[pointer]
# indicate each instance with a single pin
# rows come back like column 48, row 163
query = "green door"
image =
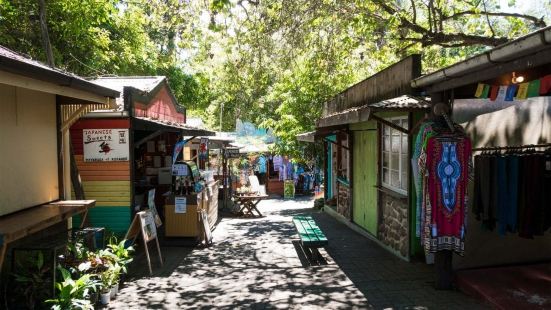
column 365, row 176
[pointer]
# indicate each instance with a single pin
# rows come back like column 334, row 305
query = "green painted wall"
column 365, row 158
column 415, row 242
column 115, row 219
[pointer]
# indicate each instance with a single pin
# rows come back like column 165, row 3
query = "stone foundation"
column 393, row 226
column 343, row 200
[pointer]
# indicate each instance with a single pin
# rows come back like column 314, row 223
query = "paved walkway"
column 254, row 263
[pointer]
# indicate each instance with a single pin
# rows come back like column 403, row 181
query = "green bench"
column 310, row 234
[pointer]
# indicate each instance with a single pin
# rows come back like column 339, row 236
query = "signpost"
column 144, row 224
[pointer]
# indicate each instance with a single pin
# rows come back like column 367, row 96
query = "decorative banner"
column 522, row 91
column 545, row 84
column 105, row 145
column 510, row 93
column 501, row 93
column 534, row 89
column 204, row 148
column 178, row 147
column 479, row 90
column 493, row 92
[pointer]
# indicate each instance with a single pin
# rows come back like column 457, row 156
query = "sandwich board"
column 144, row 224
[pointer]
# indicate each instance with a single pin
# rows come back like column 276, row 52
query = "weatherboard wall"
column 106, row 182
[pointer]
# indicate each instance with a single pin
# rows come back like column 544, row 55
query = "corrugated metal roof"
column 143, row 83
column 362, row 113
column 402, row 102
column 194, row 131
column 23, row 65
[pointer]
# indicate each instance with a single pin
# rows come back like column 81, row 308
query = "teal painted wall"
column 115, row 219
column 364, row 176
column 329, row 176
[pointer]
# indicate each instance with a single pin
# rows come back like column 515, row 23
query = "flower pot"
column 105, row 298
column 114, row 290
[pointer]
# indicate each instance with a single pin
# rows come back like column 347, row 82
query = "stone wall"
column 343, row 200
column 393, row 226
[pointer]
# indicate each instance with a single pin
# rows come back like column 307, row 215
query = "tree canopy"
column 271, row 62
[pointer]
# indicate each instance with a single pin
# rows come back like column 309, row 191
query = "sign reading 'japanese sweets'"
column 105, row 145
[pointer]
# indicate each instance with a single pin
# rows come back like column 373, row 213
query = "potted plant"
column 106, row 278
column 122, row 253
column 115, row 278
column 73, row 294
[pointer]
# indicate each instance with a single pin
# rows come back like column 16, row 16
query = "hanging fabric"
column 444, row 156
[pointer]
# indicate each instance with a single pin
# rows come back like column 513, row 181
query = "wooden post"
column 444, row 271
column 2, row 255
column 147, row 253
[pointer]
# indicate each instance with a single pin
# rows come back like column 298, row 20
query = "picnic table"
column 247, row 203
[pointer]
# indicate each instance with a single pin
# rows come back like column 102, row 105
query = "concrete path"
column 256, row 263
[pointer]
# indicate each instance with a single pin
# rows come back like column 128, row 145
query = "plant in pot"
column 33, row 280
column 115, row 274
column 73, row 294
column 106, row 279
column 122, row 252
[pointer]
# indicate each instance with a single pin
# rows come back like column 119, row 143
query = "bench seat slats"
column 309, row 232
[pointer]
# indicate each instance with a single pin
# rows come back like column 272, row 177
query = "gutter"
column 517, row 48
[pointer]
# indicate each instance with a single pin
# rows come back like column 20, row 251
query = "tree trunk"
column 45, row 37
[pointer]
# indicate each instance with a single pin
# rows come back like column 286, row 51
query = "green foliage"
column 73, row 294
column 33, row 280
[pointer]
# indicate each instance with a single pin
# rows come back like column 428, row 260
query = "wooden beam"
column 148, row 137
column 389, row 124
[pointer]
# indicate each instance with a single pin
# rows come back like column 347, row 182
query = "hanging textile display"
column 535, row 88
column 512, row 193
column 444, row 157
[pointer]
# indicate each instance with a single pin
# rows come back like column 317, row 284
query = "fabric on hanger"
column 447, row 181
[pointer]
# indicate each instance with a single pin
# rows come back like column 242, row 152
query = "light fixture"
column 517, row 79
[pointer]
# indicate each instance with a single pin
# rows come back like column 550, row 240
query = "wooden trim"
column 390, row 124
column 50, row 88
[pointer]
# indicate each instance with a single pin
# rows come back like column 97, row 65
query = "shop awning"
column 307, row 136
column 149, row 124
column 364, row 113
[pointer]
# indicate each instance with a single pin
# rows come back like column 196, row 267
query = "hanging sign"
column 105, row 145
column 232, row 153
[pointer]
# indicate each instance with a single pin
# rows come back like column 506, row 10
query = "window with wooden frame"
column 394, row 156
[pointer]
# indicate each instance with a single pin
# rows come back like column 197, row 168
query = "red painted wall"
column 162, row 107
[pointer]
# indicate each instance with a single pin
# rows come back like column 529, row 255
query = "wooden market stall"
column 38, row 105
column 125, row 156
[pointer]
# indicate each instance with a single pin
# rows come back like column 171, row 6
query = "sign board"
column 148, row 224
column 232, row 153
column 180, row 204
column 105, row 145
column 180, row 170
column 151, row 204
column 144, row 224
